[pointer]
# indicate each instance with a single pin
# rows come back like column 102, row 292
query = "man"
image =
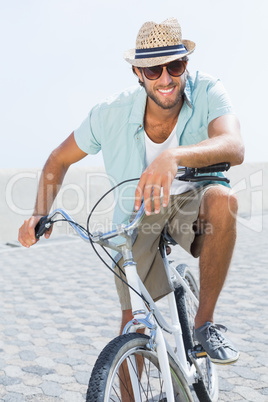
column 171, row 120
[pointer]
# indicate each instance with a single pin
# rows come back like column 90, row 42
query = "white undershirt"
column 154, row 149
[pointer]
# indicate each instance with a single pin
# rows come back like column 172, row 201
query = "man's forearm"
column 49, row 185
column 209, row 152
column 224, row 144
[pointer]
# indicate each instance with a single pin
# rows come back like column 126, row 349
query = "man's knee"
column 219, row 204
column 233, row 204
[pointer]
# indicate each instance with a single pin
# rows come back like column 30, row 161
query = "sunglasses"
column 175, row 69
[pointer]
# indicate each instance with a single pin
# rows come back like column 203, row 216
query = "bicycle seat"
column 166, row 238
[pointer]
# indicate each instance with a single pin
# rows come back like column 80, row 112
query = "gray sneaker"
column 219, row 349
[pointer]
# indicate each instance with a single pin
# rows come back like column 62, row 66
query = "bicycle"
column 139, row 367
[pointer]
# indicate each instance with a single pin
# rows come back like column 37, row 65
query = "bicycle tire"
column 206, row 388
column 105, row 378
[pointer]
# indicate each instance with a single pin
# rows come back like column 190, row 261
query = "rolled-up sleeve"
column 86, row 135
column 219, row 102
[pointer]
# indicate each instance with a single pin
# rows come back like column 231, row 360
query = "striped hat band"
column 160, row 51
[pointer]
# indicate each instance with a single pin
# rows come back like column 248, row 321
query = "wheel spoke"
column 124, row 385
column 149, row 389
column 146, row 389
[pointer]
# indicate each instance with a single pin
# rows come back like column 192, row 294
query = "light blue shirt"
column 115, row 126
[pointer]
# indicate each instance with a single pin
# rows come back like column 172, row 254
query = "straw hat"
column 159, row 44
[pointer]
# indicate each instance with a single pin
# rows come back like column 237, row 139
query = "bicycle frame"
column 155, row 322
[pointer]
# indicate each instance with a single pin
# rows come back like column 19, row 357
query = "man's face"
column 166, row 91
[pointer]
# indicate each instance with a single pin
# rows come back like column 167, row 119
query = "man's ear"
column 138, row 73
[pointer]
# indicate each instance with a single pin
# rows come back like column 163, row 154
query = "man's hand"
column 27, row 231
column 160, row 173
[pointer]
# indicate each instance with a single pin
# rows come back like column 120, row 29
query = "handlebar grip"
column 219, row 167
column 42, row 226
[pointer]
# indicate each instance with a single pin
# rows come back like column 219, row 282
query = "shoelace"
column 215, row 337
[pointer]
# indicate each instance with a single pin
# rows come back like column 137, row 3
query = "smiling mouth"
column 166, row 91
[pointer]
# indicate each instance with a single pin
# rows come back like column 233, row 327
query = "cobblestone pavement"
column 59, row 308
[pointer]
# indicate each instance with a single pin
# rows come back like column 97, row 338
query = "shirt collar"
column 188, row 92
column 138, row 109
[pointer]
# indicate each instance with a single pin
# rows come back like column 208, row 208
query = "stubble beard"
column 166, row 104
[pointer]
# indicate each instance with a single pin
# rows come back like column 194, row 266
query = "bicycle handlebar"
column 191, row 174
column 46, row 221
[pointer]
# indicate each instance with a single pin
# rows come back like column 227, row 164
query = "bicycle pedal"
column 198, row 352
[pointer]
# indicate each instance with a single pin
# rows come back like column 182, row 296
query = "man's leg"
column 150, row 266
column 125, row 384
column 218, row 220
column 218, row 217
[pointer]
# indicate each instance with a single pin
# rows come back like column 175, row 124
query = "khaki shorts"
column 179, row 216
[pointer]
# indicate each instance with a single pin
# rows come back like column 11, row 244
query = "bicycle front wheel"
column 110, row 380
column 206, row 388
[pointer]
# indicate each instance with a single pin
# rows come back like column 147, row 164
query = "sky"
column 61, row 57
